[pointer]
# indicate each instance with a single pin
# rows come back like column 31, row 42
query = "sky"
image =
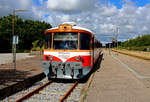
column 131, row 17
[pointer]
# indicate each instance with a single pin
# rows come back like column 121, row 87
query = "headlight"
column 47, row 58
column 51, row 57
column 77, row 58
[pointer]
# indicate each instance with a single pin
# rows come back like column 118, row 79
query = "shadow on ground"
column 9, row 75
column 28, row 72
column 24, row 69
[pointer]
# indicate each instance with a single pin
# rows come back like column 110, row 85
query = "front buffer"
column 65, row 70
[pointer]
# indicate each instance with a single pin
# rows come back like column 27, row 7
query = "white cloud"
column 92, row 14
column 145, row 28
column 104, row 20
column 70, row 5
column 109, row 11
column 38, row 12
column 62, row 4
column 25, row 3
column 130, row 27
column 65, row 18
column 7, row 6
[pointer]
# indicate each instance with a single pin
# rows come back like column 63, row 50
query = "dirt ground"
column 116, row 81
column 7, row 57
column 24, row 69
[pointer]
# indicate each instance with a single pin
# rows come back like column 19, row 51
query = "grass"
column 135, row 48
column 138, row 54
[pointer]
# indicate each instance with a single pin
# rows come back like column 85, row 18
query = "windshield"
column 84, row 41
column 65, row 40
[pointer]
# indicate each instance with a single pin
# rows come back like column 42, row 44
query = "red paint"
column 54, row 58
column 85, row 62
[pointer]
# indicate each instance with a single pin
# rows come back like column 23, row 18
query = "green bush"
column 35, row 46
column 142, row 48
column 26, row 51
column 36, row 49
column 140, row 43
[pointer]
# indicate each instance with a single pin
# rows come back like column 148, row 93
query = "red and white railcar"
column 71, row 51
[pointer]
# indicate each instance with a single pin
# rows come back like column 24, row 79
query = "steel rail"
column 68, row 92
column 33, row 92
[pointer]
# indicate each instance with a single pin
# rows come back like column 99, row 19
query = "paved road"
column 118, row 80
column 7, row 57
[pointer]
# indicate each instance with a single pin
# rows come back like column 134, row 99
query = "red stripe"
column 85, row 62
column 54, row 58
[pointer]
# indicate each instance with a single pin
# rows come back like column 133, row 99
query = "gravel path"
column 55, row 91
column 23, row 92
column 75, row 96
column 51, row 93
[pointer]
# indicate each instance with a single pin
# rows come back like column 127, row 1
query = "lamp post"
column 14, row 37
column 118, row 28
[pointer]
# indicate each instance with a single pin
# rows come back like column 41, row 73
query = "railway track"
column 49, row 92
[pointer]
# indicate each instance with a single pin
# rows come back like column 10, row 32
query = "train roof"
column 74, row 27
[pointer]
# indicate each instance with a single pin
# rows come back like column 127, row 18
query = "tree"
column 139, row 43
column 27, row 30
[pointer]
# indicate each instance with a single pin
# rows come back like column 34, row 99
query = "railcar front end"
column 68, row 53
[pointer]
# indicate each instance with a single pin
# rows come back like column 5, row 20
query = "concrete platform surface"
column 114, row 83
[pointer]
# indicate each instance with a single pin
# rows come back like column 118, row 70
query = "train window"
column 84, row 41
column 48, row 40
column 65, row 40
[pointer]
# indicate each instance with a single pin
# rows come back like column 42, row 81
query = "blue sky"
column 117, row 3
column 102, row 17
column 141, row 2
column 37, row 2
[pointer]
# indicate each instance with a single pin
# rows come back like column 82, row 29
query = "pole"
column 15, row 57
column 117, row 37
column 13, row 34
column 109, row 49
column 13, row 45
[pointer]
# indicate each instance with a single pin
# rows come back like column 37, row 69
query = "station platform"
column 27, row 72
column 112, row 82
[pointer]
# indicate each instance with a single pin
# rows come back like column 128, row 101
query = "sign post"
column 15, row 38
column 15, row 41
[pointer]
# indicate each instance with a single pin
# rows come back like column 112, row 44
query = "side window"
column 48, row 40
column 84, row 41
